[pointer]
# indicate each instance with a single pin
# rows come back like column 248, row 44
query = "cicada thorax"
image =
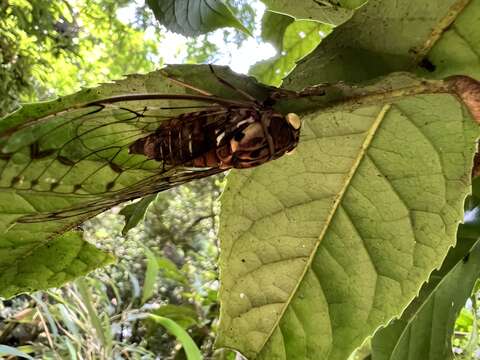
column 232, row 138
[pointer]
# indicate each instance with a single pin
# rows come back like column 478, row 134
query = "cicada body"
column 232, row 138
column 91, row 157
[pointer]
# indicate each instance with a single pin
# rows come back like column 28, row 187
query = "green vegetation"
column 351, row 248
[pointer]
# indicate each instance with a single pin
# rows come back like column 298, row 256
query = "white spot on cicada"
column 246, row 121
column 190, row 145
column 244, row 140
column 294, row 120
column 220, row 137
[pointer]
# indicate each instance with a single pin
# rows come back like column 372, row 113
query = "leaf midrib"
column 361, row 154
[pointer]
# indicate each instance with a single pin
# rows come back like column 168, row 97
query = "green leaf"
column 69, row 321
column 183, row 315
column 150, row 275
column 194, row 17
column 134, row 213
column 426, row 326
column 369, row 45
column 8, row 350
column 300, row 38
column 96, row 323
column 327, row 12
column 457, row 51
column 274, row 26
column 464, row 321
column 191, row 349
column 47, row 264
column 321, row 248
column 170, row 270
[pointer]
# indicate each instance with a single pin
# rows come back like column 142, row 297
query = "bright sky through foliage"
column 174, row 46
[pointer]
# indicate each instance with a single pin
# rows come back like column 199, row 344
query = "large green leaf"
column 425, row 329
column 426, row 326
column 342, row 234
column 67, row 143
column 194, row 17
column 382, row 37
column 327, row 12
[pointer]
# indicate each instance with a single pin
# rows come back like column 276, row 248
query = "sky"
column 240, row 59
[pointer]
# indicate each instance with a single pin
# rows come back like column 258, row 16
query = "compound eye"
column 294, row 121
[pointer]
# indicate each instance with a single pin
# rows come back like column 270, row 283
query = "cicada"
column 122, row 147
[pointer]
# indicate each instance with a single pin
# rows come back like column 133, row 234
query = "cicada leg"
column 188, row 86
column 240, row 91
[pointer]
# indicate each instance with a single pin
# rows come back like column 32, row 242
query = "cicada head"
column 266, row 138
column 285, row 133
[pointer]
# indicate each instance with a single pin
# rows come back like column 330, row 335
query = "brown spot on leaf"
column 468, row 90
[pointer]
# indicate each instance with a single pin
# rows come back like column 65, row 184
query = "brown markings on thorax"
column 196, row 138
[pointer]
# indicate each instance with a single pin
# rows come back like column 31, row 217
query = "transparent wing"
column 77, row 162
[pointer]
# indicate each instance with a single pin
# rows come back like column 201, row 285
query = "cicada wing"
column 78, row 162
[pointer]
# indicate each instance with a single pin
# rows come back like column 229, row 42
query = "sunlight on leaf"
column 300, row 38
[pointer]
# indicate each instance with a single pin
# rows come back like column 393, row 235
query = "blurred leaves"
column 134, row 213
column 194, row 17
column 55, row 46
column 151, row 274
column 11, row 351
column 26, row 29
column 184, row 315
column 191, row 349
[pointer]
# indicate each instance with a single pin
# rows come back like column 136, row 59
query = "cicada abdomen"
column 225, row 138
